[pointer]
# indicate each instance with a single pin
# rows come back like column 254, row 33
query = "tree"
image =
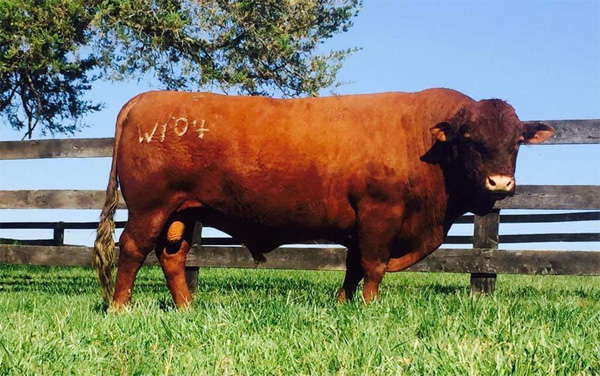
column 51, row 51
column 42, row 76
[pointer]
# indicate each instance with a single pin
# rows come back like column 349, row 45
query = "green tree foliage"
column 42, row 75
column 51, row 51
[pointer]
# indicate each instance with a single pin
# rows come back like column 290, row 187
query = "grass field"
column 264, row 322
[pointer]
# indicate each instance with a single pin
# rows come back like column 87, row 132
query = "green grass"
column 286, row 322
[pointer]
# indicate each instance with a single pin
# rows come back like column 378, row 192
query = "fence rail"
column 320, row 258
column 466, row 219
column 554, row 197
column 484, row 261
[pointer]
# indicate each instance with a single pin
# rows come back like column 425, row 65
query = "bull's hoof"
column 184, row 306
column 119, row 307
column 369, row 298
column 342, row 296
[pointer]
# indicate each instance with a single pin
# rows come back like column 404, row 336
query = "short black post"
column 59, row 234
column 485, row 236
column 483, row 282
column 191, row 272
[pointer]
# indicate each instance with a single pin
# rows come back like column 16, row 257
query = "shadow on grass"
column 446, row 289
column 528, row 291
column 66, row 285
column 82, row 282
column 77, row 285
column 164, row 304
column 100, row 308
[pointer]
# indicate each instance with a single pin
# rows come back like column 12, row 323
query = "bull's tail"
column 105, row 256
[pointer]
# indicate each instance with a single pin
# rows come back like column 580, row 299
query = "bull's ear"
column 536, row 133
column 443, row 131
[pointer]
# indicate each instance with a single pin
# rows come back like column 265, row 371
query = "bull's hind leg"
column 136, row 242
column 172, row 252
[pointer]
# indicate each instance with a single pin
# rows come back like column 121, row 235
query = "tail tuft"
column 105, row 256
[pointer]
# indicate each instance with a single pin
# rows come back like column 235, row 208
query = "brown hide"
column 377, row 173
column 274, row 171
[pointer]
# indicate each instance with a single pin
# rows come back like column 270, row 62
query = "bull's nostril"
column 500, row 183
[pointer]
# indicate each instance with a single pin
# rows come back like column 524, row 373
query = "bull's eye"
column 477, row 146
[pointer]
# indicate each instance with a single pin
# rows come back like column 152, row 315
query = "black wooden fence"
column 484, row 261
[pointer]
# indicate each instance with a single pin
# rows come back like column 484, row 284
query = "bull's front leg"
column 429, row 239
column 354, row 274
column 379, row 222
column 375, row 255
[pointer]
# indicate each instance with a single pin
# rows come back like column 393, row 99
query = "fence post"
column 191, row 272
column 58, row 237
column 485, row 235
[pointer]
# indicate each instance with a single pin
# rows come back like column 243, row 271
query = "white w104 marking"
column 180, row 127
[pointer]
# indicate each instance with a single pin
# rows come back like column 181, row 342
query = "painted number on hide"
column 180, row 127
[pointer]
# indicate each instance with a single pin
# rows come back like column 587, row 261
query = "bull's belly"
column 282, row 209
column 266, row 232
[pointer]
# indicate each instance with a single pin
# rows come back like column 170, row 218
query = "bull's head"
column 485, row 137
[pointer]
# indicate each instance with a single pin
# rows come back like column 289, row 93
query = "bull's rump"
column 293, row 162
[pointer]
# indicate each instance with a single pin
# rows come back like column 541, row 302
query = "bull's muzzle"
column 500, row 184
